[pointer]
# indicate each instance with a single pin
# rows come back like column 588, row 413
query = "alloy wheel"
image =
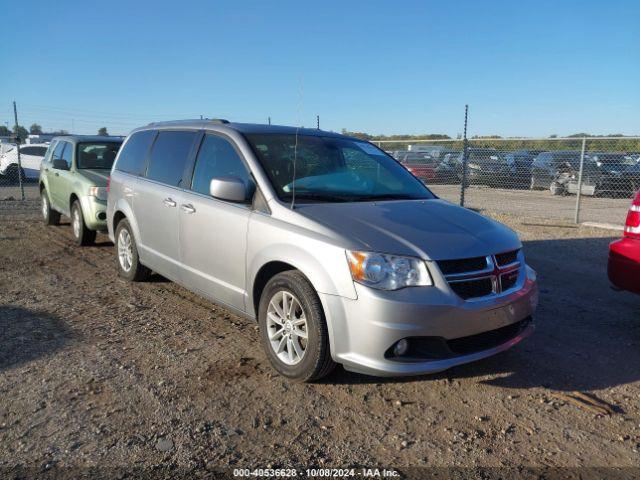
column 287, row 327
column 76, row 222
column 45, row 206
column 125, row 250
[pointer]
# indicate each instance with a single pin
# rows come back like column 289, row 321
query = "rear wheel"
column 81, row 234
column 293, row 328
column 129, row 266
column 50, row 216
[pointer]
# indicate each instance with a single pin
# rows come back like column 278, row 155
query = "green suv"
column 73, row 182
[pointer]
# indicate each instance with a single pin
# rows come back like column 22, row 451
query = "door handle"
column 169, row 202
column 57, row 174
column 188, row 209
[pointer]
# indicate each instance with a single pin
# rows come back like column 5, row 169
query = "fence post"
column 463, row 185
column 579, row 193
column 15, row 116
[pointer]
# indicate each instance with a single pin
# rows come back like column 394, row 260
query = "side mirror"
column 231, row 189
column 60, row 164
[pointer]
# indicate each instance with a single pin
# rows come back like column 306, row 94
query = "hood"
column 431, row 229
column 97, row 177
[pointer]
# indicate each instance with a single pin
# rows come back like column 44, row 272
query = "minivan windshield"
column 333, row 169
column 97, row 155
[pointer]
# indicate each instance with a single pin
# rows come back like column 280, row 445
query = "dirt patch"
column 97, row 372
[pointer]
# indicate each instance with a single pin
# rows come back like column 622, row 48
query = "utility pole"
column 269, row 120
column 15, row 116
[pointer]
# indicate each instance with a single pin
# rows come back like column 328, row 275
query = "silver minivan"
column 335, row 249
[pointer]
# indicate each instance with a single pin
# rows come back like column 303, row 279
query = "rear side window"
column 134, row 152
column 169, row 156
column 217, row 158
column 37, row 151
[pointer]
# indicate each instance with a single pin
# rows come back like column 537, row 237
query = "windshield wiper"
column 324, row 197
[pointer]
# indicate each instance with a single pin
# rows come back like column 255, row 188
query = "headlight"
column 387, row 272
column 99, row 192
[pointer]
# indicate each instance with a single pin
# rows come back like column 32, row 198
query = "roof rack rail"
column 217, row 120
column 195, row 120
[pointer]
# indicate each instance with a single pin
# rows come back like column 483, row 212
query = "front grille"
column 478, row 277
column 462, row 265
column 508, row 280
column 473, row 288
column 506, row 258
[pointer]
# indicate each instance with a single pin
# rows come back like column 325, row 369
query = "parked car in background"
column 605, row 173
column 346, row 259
column 421, row 164
column 448, row 169
column 520, row 163
column 73, row 182
column 624, row 254
column 30, row 159
column 552, row 170
column 485, row 166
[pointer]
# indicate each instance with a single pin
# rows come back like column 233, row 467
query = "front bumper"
column 95, row 213
column 362, row 331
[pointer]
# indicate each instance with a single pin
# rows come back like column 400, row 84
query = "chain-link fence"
column 575, row 179
column 19, row 170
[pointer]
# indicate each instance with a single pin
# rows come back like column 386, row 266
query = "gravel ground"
column 97, row 372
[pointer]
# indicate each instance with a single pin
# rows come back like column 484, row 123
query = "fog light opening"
column 401, row 347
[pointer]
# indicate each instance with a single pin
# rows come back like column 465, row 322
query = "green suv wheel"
column 81, row 234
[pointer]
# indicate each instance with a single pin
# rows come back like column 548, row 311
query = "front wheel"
column 293, row 328
column 129, row 266
column 81, row 234
column 50, row 216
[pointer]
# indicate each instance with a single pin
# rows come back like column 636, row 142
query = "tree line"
column 23, row 133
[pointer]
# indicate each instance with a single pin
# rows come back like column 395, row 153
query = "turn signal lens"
column 387, row 272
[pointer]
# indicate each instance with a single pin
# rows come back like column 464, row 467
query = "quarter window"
column 134, row 152
column 217, row 158
column 169, row 156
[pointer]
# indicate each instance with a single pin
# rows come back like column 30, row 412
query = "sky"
column 525, row 68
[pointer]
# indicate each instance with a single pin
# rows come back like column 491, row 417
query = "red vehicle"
column 624, row 254
column 420, row 164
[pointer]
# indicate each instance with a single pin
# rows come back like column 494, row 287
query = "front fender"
column 321, row 261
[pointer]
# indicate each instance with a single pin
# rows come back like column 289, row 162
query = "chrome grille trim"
column 493, row 271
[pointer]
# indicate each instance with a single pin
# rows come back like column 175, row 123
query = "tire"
column 315, row 361
column 127, row 259
column 12, row 174
column 50, row 216
column 82, row 235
